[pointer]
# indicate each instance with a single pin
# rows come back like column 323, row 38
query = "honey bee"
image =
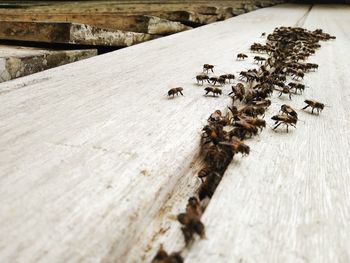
column 207, row 67
column 262, row 103
column 229, row 77
column 216, row 158
column 251, row 111
column 238, row 91
column 259, row 123
column 236, row 146
column 191, row 220
column 259, row 59
column 205, row 172
column 213, row 133
column 285, row 90
column 250, row 129
column 215, row 117
column 202, row 78
column 286, row 109
column 312, row 66
column 215, row 91
column 284, row 119
column 175, row 91
column 297, row 87
column 163, row 257
column 299, row 74
column 314, row 105
column 207, row 188
column 241, row 56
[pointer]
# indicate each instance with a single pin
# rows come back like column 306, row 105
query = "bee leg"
column 312, row 111
column 287, row 127
column 290, row 96
column 305, row 107
column 181, row 93
column 277, row 126
column 280, row 94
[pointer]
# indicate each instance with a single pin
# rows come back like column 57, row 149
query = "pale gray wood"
column 17, row 61
column 289, row 200
column 95, row 158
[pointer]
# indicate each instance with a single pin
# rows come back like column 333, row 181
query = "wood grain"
column 95, row 159
column 289, row 200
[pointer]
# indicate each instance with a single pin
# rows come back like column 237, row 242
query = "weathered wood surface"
column 69, row 33
column 96, row 160
column 289, row 200
column 18, row 61
column 134, row 16
column 134, row 23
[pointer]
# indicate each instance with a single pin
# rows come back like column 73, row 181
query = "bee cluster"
column 286, row 48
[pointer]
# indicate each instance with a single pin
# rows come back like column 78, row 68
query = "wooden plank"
column 69, row 33
column 95, row 159
column 133, row 23
column 18, row 61
column 289, row 200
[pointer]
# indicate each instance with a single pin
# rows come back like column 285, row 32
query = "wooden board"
column 18, row 61
column 289, row 200
column 69, row 33
column 96, row 160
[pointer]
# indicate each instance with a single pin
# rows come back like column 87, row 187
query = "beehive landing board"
column 95, row 158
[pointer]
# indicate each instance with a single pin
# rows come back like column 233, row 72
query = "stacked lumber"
column 105, row 25
column 21, row 61
column 114, row 23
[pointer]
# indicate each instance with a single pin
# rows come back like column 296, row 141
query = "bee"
column 312, row 66
column 202, row 78
column 285, row 90
column 213, row 133
column 230, row 77
column 236, row 146
column 191, row 220
column 215, row 117
column 250, row 129
column 261, row 103
column 207, row 188
column 251, row 111
column 205, row 172
column 194, row 207
column 238, row 91
column 207, row 67
column 284, row 119
column 175, row 91
column 297, row 86
column 215, row 91
column 241, row 56
column 214, row 80
column 163, row 257
column 216, row 158
column 259, row 59
column 222, row 80
column 286, row 109
column 259, row 123
column 299, row 74
column 314, row 105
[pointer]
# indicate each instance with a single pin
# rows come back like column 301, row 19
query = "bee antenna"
column 328, row 106
column 301, row 120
